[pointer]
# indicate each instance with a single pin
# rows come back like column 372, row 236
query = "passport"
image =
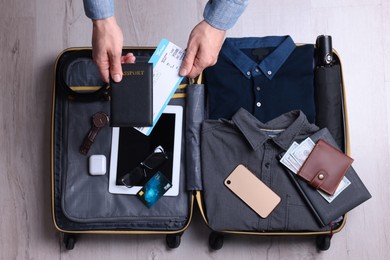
column 132, row 98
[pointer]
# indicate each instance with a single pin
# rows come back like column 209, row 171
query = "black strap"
column 63, row 64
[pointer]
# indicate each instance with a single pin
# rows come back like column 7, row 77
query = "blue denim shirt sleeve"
column 99, row 9
column 223, row 14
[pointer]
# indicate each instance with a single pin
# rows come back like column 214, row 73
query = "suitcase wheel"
column 323, row 242
column 173, row 240
column 215, row 240
column 69, row 240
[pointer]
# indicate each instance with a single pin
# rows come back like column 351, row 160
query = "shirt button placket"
column 267, row 164
column 256, row 84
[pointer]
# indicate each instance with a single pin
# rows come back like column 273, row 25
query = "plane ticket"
column 166, row 60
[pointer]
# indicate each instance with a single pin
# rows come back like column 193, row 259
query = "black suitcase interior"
column 81, row 203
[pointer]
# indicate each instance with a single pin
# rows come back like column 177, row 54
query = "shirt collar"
column 293, row 124
column 270, row 65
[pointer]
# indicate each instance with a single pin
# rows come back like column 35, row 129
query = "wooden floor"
column 34, row 32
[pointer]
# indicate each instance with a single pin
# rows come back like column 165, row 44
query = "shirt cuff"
column 223, row 14
column 98, row 9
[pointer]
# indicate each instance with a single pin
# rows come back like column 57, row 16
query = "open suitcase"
column 81, row 203
column 216, row 202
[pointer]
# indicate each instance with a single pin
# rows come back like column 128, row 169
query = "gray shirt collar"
column 287, row 126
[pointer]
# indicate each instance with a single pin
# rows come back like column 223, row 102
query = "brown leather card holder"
column 325, row 167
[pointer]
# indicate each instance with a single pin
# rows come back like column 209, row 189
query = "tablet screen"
column 130, row 147
column 134, row 147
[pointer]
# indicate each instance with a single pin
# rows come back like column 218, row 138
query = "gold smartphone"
column 251, row 190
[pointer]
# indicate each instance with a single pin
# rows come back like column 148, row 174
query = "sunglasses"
column 151, row 163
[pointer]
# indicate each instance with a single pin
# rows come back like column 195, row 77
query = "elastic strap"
column 197, row 80
column 67, row 58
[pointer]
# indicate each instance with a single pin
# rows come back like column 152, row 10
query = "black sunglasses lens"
column 133, row 178
column 155, row 160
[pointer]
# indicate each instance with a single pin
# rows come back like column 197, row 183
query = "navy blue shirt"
column 267, row 76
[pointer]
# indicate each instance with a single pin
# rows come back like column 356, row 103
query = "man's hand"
column 203, row 48
column 107, row 43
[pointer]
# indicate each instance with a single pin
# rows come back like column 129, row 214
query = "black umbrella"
column 328, row 91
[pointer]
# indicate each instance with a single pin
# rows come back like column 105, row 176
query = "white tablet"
column 130, row 147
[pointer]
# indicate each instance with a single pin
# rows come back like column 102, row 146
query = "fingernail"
column 117, row 78
column 183, row 72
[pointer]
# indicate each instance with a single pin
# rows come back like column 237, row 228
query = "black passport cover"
column 132, row 98
column 355, row 194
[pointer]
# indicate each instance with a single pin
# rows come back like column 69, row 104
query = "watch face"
column 100, row 119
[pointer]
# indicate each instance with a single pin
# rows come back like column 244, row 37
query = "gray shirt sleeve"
column 223, row 14
column 99, row 9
